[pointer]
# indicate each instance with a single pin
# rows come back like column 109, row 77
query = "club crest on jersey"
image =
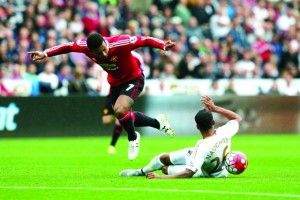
column 113, row 59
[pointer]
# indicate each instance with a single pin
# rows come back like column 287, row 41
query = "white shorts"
column 180, row 158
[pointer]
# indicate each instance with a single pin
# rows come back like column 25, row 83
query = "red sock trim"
column 125, row 117
column 133, row 116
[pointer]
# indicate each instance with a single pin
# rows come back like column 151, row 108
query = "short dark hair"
column 204, row 120
column 94, row 41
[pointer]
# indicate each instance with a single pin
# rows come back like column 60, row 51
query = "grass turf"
column 80, row 168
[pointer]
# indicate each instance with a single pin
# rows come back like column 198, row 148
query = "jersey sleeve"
column 229, row 129
column 75, row 46
column 197, row 157
column 143, row 41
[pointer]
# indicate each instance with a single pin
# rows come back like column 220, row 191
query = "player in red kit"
column 125, row 76
column 108, row 115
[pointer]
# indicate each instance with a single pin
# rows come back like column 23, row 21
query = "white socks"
column 153, row 165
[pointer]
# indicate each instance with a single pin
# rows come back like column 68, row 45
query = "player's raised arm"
column 143, row 41
column 76, row 46
column 208, row 102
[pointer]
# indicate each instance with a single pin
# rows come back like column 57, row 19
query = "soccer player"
column 108, row 112
column 206, row 159
column 125, row 77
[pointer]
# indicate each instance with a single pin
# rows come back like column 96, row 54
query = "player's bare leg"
column 122, row 109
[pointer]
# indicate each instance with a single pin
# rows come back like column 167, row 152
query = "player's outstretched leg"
column 165, row 126
column 160, row 122
column 154, row 164
column 132, row 172
column 134, row 147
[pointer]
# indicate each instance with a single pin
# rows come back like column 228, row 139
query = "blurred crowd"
column 215, row 39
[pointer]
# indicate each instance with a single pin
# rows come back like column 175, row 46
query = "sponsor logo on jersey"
column 109, row 66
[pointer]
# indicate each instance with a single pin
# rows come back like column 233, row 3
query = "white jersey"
column 208, row 155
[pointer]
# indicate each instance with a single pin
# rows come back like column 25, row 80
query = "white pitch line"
column 149, row 190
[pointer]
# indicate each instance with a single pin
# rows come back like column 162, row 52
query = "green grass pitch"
column 80, row 168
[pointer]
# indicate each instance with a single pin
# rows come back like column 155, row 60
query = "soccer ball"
column 236, row 162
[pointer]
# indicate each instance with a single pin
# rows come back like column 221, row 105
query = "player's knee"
column 165, row 169
column 165, row 159
column 120, row 111
column 122, row 106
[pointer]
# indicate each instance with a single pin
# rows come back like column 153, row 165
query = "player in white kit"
column 206, row 159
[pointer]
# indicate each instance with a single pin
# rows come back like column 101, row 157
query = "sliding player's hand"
column 208, row 102
column 152, row 175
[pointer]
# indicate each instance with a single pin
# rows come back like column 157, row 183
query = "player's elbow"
column 239, row 119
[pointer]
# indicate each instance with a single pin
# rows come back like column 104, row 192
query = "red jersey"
column 120, row 63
